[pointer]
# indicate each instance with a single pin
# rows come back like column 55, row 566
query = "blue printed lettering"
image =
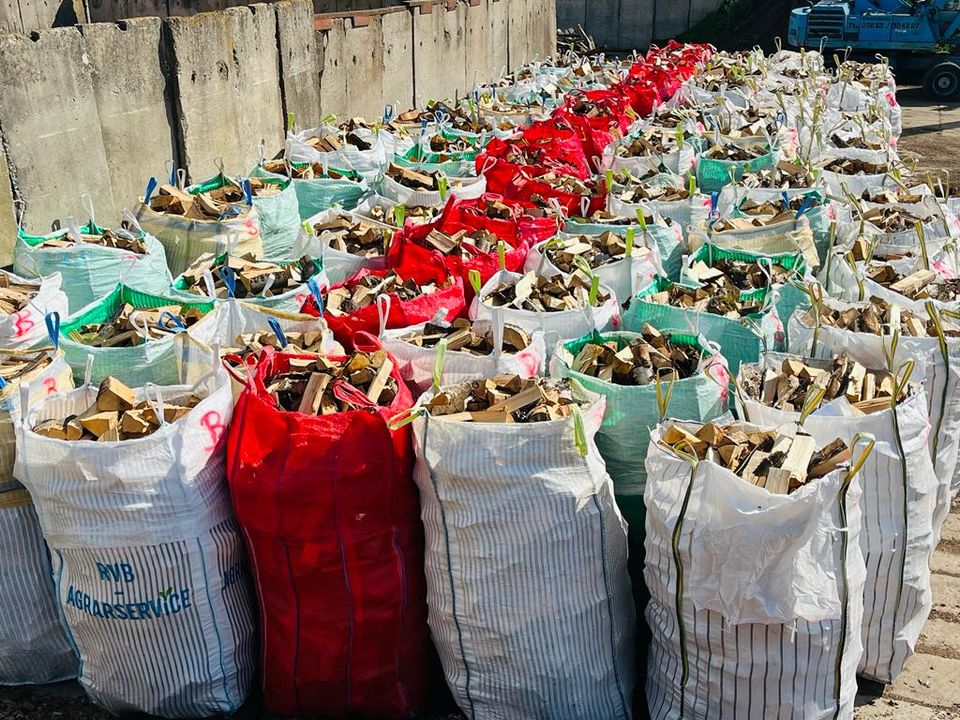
column 70, row 595
column 121, row 611
column 132, row 611
column 86, row 603
column 185, row 595
column 144, row 610
column 96, row 609
column 174, row 603
column 107, row 610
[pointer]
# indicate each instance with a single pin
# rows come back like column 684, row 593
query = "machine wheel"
column 942, row 81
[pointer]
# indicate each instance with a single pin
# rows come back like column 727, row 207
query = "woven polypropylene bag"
column 148, row 562
column 526, row 568
column 750, row 591
column 329, row 510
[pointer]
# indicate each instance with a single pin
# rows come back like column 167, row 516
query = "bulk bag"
column 343, row 188
column 624, row 276
column 288, row 301
column 185, row 239
column 740, row 340
column 557, row 325
column 486, row 213
column 26, row 327
column 279, row 218
column 369, row 163
column 788, row 236
column 338, row 265
column 149, row 566
column 329, row 510
column 164, row 361
column 526, row 560
column 464, row 187
column 899, row 506
column 667, row 237
column 411, row 247
column 789, row 297
column 417, row 364
column 90, row 271
column 713, row 175
column 34, row 647
column 938, row 356
column 223, row 327
column 750, row 621
column 392, row 312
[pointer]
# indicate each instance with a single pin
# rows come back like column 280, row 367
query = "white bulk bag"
column 149, row 564
column 756, row 599
column 526, row 562
column 624, row 277
column 465, row 188
column 369, row 163
column 941, row 369
column 560, row 325
column 899, row 506
column 338, row 265
column 34, row 648
column 416, row 364
column 27, row 327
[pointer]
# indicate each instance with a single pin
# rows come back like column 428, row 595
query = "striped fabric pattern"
column 702, row 665
column 941, row 368
column 55, row 377
column 900, row 500
column 33, row 645
column 148, row 563
column 527, row 586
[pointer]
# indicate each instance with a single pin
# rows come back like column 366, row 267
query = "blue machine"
column 917, row 35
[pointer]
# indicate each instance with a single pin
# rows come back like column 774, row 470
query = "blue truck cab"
column 918, row 35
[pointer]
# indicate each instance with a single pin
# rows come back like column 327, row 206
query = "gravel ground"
column 930, row 686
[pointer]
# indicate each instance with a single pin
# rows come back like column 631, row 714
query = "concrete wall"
column 633, row 24
column 100, row 108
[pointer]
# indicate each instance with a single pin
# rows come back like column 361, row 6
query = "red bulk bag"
column 543, row 194
column 408, row 247
column 331, row 518
column 401, row 313
column 521, row 226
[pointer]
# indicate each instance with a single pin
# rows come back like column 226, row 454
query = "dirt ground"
column 929, row 688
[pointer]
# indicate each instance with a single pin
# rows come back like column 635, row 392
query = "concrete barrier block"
column 479, row 44
column 603, row 20
column 440, row 58
column 498, row 14
column 571, row 13
column 701, row 9
column 518, row 41
column 128, row 67
column 111, row 10
column 397, row 89
column 8, row 213
column 48, row 112
column 299, row 61
column 352, row 79
column 672, row 18
column 545, row 45
column 636, row 24
column 228, row 87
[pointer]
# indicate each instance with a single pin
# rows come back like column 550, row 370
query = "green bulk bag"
column 713, row 175
column 167, row 361
column 319, row 194
column 89, row 271
column 740, row 340
column 790, row 297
